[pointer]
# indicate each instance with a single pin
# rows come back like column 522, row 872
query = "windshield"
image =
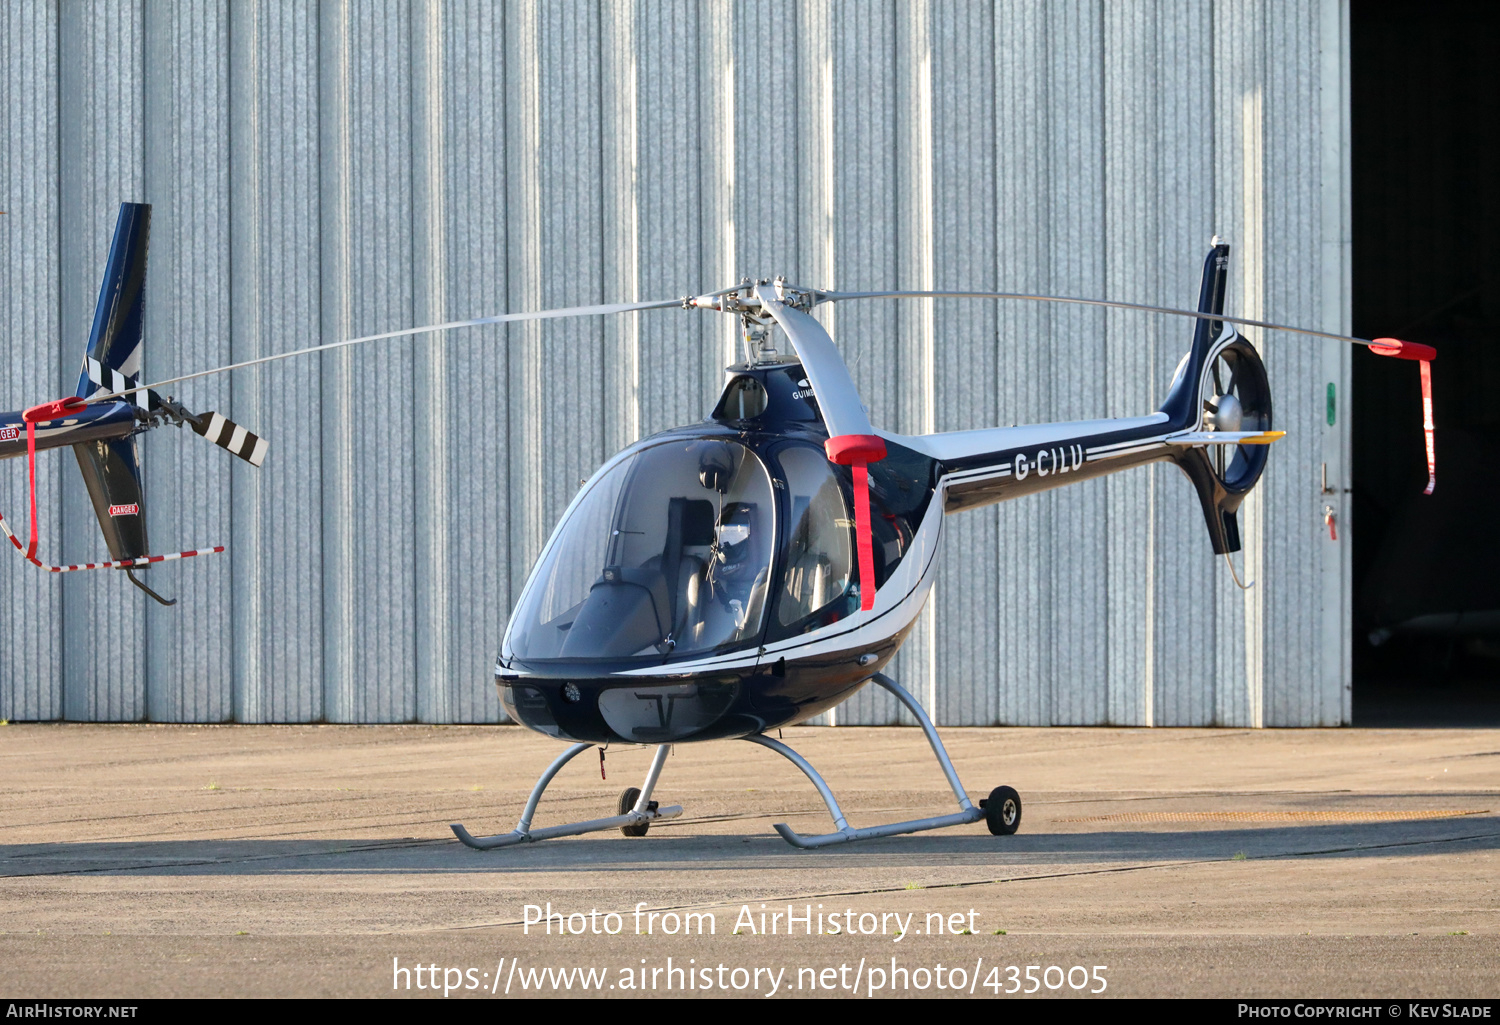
column 669, row 552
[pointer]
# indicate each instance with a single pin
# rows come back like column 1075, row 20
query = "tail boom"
column 99, row 422
column 979, row 468
column 1201, row 415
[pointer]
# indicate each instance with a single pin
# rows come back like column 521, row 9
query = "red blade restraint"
column 33, row 416
column 858, row 451
column 1423, row 354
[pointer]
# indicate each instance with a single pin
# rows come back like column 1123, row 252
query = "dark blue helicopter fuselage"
column 750, row 689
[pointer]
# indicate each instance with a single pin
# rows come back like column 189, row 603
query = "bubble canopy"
column 668, row 552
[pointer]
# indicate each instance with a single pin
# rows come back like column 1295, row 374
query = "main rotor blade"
column 503, row 318
column 827, row 296
column 838, row 399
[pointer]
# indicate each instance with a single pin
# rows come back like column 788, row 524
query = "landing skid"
column 1001, row 811
column 843, row 833
column 644, row 813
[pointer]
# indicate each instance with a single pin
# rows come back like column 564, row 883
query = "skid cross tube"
column 967, row 811
column 523, row 833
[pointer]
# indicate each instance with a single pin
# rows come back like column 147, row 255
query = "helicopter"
column 720, row 580
column 101, row 429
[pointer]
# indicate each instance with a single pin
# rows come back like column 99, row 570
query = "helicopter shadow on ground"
column 668, row 852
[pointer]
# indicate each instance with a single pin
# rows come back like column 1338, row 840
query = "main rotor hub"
column 759, row 325
column 758, row 334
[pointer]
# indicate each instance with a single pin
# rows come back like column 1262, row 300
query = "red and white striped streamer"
column 1423, row 354
column 1427, row 425
column 144, row 560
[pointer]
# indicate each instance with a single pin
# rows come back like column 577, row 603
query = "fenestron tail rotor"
column 1240, row 403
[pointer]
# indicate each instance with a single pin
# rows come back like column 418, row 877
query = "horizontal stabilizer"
column 1194, row 438
column 231, row 437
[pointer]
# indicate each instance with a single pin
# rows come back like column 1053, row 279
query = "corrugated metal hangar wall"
column 320, row 171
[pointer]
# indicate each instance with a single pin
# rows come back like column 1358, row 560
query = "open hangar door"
column 1425, row 97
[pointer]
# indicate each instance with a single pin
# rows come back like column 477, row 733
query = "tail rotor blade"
column 112, row 380
column 222, row 431
column 231, row 437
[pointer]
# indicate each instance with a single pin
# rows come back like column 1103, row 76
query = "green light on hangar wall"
column 1330, row 404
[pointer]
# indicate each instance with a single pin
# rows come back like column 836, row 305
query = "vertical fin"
column 119, row 318
column 1181, row 404
column 112, row 473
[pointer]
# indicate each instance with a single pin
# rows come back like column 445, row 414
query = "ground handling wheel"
column 628, row 797
column 1002, row 811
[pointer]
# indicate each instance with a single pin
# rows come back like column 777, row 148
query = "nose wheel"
column 1002, row 811
column 628, row 798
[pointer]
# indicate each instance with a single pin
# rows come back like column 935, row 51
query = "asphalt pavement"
column 142, row 860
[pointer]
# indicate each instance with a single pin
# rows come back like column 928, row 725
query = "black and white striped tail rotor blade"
column 231, row 437
column 222, row 431
column 113, row 381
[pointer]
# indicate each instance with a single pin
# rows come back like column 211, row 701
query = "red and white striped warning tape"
column 117, row 564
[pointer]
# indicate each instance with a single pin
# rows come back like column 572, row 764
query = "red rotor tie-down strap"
column 31, row 484
column 1427, row 426
column 33, row 416
column 858, row 451
column 1423, row 354
column 863, row 541
column 56, row 411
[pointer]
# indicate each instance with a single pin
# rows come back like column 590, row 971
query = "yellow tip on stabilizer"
column 1264, row 438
